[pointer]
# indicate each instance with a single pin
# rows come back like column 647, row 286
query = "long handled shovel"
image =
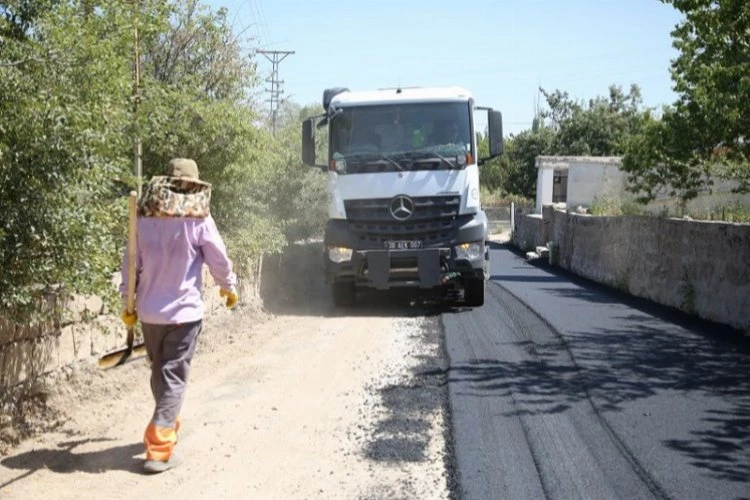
column 120, row 356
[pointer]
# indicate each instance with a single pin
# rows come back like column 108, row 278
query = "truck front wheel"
column 474, row 292
column 344, row 293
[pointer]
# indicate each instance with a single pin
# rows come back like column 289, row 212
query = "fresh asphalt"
column 560, row 388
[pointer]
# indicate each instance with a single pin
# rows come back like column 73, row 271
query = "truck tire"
column 344, row 293
column 474, row 292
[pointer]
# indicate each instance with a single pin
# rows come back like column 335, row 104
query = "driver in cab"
column 363, row 141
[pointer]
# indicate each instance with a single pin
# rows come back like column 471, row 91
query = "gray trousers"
column 170, row 349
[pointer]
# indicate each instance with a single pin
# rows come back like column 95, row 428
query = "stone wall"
column 700, row 267
column 528, row 233
column 77, row 330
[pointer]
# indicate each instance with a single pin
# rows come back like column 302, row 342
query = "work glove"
column 129, row 318
column 231, row 295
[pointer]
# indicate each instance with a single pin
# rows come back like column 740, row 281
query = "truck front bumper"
column 435, row 266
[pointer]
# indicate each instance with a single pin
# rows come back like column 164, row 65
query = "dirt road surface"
column 284, row 406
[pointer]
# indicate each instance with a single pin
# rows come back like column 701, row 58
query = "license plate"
column 403, row 245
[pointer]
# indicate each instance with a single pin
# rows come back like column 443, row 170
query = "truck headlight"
column 339, row 254
column 470, row 251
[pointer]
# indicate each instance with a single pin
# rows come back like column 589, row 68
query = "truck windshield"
column 420, row 136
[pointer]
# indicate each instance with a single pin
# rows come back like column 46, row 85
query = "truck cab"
column 404, row 206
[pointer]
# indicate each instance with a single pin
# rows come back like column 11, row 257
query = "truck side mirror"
column 308, row 142
column 495, row 122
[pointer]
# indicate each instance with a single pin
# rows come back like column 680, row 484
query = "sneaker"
column 157, row 466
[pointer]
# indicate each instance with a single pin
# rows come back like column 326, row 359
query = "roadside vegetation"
column 70, row 113
column 70, row 117
column 681, row 150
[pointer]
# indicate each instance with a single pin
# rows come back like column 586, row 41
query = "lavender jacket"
column 170, row 255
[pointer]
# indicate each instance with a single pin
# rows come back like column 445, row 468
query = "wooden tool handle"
column 132, row 234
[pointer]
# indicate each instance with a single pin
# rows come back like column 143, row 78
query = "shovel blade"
column 119, row 357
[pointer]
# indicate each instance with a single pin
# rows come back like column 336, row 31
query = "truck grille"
column 434, row 222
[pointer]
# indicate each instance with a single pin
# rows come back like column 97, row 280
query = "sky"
column 502, row 51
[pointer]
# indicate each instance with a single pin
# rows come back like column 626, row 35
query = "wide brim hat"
column 185, row 169
column 180, row 193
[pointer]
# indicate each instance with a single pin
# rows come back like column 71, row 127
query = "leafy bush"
column 614, row 206
column 63, row 102
column 69, row 122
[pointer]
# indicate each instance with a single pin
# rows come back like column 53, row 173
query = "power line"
column 262, row 19
column 275, row 56
column 263, row 37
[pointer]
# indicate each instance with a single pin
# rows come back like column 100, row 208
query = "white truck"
column 403, row 183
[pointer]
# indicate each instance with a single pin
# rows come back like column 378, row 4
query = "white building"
column 578, row 180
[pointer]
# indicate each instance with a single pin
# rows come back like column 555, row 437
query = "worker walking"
column 176, row 236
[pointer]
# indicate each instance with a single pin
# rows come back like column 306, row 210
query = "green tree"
column 492, row 173
column 19, row 16
column 704, row 134
column 198, row 75
column 515, row 172
column 67, row 129
column 521, row 171
column 601, row 127
column 64, row 107
column 299, row 200
column 197, row 102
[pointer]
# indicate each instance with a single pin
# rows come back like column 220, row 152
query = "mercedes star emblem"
column 402, row 207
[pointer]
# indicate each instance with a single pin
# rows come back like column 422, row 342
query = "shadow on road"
column 646, row 358
column 720, row 449
column 616, row 368
column 64, row 459
column 653, row 351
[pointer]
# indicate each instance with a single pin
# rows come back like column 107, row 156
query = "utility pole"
column 137, row 148
column 275, row 56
